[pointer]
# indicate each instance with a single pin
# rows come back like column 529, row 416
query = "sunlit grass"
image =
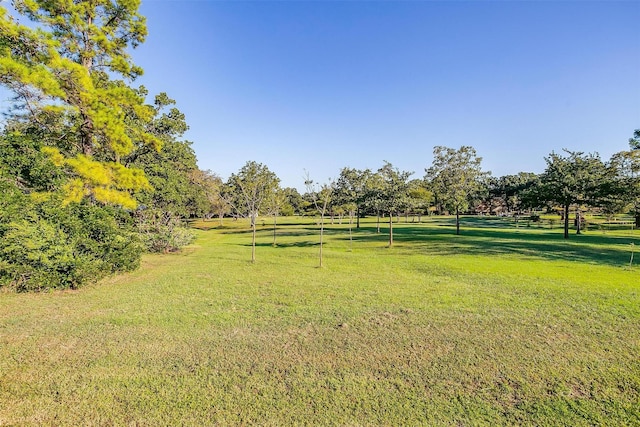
column 502, row 325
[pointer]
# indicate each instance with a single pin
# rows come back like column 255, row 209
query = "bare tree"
column 274, row 204
column 321, row 197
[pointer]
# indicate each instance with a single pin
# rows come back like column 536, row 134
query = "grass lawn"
column 501, row 325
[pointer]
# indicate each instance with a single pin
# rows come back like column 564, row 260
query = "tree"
column 252, row 186
column 276, row 200
column 394, row 192
column 455, row 176
column 573, row 179
column 508, row 190
column 62, row 72
column 321, row 196
column 420, row 197
column 206, row 194
column 374, row 197
column 219, row 204
column 295, row 203
column 173, row 171
column 625, row 167
column 214, row 190
column 351, row 188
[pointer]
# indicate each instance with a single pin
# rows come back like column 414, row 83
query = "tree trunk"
column 86, row 128
column 390, row 229
column 638, row 219
column 221, row 215
column 275, row 219
column 358, row 217
column 578, row 221
column 378, row 229
column 457, row 221
column 566, row 221
column 321, row 236
column 253, row 240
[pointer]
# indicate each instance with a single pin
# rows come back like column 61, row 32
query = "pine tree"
column 63, row 70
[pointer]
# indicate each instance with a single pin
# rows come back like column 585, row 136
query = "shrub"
column 50, row 246
column 162, row 231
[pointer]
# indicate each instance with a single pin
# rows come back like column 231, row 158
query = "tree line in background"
column 455, row 184
column 92, row 174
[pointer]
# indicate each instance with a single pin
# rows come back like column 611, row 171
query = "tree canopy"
column 575, row 178
column 250, row 189
column 455, row 176
column 63, row 74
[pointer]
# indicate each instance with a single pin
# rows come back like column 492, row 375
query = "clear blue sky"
column 319, row 85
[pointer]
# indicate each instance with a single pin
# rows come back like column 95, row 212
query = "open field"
column 498, row 326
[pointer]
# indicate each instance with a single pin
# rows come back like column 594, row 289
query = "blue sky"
column 319, row 85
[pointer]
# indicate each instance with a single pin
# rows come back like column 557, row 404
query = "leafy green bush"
column 37, row 255
column 49, row 246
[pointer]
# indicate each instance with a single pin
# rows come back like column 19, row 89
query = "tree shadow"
column 303, row 244
column 590, row 247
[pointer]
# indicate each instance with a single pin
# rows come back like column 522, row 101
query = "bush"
column 37, row 255
column 45, row 244
column 50, row 246
column 162, row 231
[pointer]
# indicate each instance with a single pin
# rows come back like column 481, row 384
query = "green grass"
column 498, row 326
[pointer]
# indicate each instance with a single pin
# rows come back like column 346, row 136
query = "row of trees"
column 455, row 183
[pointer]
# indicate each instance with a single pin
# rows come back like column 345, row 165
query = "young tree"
column 455, row 176
column 394, row 192
column 276, row 200
column 573, row 179
column 252, row 186
column 63, row 71
column 321, row 196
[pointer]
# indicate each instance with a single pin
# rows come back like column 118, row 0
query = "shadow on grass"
column 305, row 244
column 589, row 247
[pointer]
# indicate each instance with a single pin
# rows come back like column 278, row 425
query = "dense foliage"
column 90, row 175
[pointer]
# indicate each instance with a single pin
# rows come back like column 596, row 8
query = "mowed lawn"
column 498, row 326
